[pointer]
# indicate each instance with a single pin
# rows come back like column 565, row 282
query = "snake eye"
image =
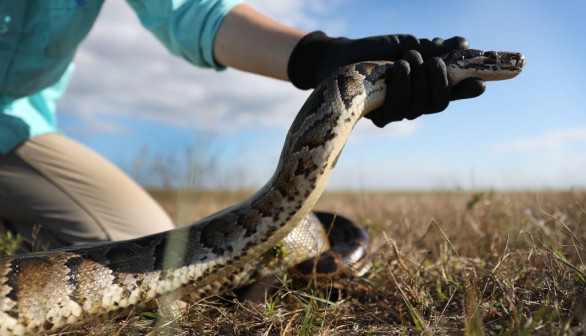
column 490, row 57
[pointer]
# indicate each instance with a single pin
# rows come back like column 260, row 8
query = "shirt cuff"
column 210, row 29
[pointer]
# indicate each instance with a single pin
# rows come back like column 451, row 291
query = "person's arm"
column 417, row 83
column 250, row 41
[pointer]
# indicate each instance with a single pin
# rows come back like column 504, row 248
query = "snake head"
column 486, row 65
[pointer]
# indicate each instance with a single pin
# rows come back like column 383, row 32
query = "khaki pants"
column 56, row 192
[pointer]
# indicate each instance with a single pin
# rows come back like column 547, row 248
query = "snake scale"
column 46, row 291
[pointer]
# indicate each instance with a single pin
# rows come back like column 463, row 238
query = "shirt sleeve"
column 187, row 28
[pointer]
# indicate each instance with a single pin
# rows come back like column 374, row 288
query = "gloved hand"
column 416, row 85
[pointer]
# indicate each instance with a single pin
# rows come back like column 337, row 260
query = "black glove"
column 415, row 87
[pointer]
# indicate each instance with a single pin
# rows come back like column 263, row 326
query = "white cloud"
column 95, row 127
column 551, row 141
column 302, row 13
column 123, row 71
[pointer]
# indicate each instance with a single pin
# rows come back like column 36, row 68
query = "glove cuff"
column 302, row 62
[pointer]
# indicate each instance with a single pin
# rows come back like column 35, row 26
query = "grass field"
column 445, row 263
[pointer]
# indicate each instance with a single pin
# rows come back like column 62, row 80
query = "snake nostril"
column 521, row 61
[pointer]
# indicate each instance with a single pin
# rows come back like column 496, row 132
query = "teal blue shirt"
column 38, row 39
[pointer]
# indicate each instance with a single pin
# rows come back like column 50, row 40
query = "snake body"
column 44, row 292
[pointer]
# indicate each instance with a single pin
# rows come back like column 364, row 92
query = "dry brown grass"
column 445, row 263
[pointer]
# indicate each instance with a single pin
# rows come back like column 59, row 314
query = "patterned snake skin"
column 45, row 292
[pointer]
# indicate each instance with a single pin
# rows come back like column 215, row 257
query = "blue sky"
column 154, row 115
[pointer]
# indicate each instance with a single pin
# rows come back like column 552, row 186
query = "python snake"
column 46, row 291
